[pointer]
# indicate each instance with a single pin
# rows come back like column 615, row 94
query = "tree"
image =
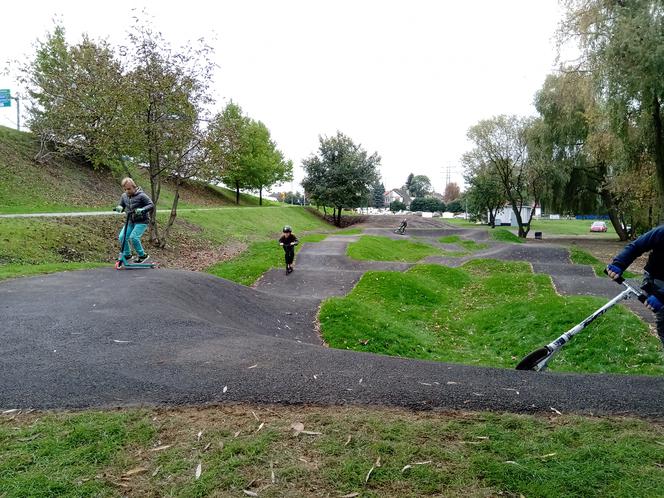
column 452, row 192
column 420, row 185
column 167, row 94
column 485, row 193
column 396, row 206
column 430, row 204
column 76, row 94
column 455, row 206
column 575, row 140
column 501, row 143
column 409, row 182
column 378, row 195
column 264, row 163
column 341, row 174
column 621, row 43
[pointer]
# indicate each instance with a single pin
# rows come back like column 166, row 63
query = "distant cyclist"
column 402, row 228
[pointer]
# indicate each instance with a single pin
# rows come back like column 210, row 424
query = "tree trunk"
column 173, row 215
column 260, row 196
column 523, row 232
column 237, row 192
column 658, row 129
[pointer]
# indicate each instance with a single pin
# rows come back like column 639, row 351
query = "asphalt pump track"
column 106, row 338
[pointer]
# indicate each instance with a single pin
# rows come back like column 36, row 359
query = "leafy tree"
column 340, row 174
column 430, row 204
column 76, row 94
column 452, row 192
column 168, row 92
column 455, row 206
column 420, row 186
column 396, row 206
column 501, row 143
column 621, row 43
column 485, row 193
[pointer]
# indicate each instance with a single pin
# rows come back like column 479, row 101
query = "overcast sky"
column 403, row 78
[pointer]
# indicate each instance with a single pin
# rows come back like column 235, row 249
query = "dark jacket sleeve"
column 648, row 241
column 123, row 202
column 147, row 202
column 295, row 241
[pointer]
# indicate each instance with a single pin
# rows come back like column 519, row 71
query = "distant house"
column 397, row 194
column 505, row 216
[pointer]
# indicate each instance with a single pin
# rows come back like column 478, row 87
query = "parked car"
column 598, row 226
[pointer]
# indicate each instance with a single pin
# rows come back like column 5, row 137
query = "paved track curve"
column 101, row 338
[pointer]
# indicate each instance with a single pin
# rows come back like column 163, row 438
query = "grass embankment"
column 581, row 257
column 377, row 452
column 260, row 229
column 65, row 185
column 256, row 260
column 485, row 313
column 375, row 248
column 32, row 246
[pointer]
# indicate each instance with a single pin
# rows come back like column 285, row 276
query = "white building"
column 397, row 194
column 506, row 217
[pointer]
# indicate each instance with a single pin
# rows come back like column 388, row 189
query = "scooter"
column 401, row 230
column 121, row 263
column 539, row 359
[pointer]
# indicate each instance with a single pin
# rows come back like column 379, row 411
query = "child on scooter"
column 288, row 241
column 138, row 206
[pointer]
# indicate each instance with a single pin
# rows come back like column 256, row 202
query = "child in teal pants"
column 138, row 206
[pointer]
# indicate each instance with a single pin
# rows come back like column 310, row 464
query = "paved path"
column 102, row 338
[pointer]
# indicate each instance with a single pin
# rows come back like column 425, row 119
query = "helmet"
column 287, row 229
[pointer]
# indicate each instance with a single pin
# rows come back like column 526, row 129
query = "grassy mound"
column 504, row 235
column 467, row 245
column 485, row 313
column 375, row 248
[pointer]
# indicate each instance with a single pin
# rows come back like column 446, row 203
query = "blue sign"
column 5, row 98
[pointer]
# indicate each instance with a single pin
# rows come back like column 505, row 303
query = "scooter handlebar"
column 621, row 280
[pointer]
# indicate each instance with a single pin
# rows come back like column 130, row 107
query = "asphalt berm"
column 106, row 338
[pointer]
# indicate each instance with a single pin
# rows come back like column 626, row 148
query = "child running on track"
column 138, row 206
column 288, row 241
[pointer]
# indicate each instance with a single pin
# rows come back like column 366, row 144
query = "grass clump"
column 504, row 235
column 375, row 248
column 467, row 245
column 487, row 313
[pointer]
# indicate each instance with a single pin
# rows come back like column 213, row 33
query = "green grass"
column 485, row 313
column 64, row 185
column 581, row 257
column 67, row 454
column 38, row 242
column 253, row 448
column 256, row 260
column 253, row 223
column 15, row 271
column 374, row 248
column 467, row 245
column 504, row 235
column 570, row 227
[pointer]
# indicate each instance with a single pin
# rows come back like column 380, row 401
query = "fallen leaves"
column 298, row 428
column 199, row 470
column 161, row 448
column 134, row 471
column 375, row 466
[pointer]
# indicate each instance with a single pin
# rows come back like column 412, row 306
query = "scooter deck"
column 135, row 266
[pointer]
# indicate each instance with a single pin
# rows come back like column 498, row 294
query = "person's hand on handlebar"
column 653, row 304
column 613, row 272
